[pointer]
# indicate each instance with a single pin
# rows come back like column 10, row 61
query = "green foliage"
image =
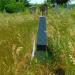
column 14, row 7
column 26, row 3
column 19, row 6
column 10, row 8
column 48, row 2
column 60, row 2
column 3, row 3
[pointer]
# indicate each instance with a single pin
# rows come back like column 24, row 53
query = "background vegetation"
column 18, row 32
column 11, row 6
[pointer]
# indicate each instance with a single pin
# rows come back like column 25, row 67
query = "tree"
column 3, row 3
column 59, row 2
column 48, row 2
column 25, row 2
column 13, row 5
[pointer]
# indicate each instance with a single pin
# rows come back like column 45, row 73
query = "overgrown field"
column 17, row 32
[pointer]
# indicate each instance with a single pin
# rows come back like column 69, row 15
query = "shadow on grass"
column 56, row 64
column 59, row 71
column 50, row 52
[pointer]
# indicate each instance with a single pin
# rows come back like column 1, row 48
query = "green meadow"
column 17, row 33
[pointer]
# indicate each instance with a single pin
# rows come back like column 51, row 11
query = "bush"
column 10, row 8
column 14, row 7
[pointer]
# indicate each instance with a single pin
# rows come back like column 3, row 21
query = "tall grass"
column 16, row 39
column 60, row 32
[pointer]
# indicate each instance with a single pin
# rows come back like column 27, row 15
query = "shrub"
column 14, row 7
column 10, row 8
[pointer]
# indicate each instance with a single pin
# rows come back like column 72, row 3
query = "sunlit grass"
column 61, row 33
column 16, row 39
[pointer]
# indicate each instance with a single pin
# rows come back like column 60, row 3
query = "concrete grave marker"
column 41, row 36
column 41, row 41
